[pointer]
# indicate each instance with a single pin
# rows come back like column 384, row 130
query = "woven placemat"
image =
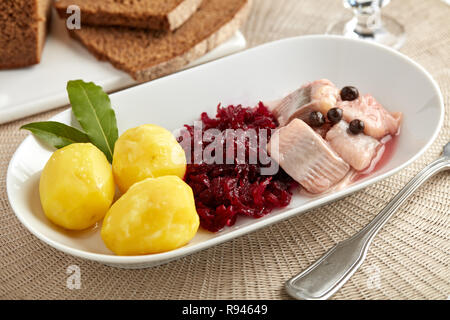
column 409, row 259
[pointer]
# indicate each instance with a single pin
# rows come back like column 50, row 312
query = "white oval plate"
column 264, row 73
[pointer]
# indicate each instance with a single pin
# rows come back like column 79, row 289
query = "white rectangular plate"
column 42, row 87
column 264, row 73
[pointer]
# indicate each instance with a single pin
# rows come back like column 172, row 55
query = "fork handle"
column 328, row 274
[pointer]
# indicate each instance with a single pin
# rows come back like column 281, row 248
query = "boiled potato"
column 147, row 151
column 76, row 186
column 154, row 215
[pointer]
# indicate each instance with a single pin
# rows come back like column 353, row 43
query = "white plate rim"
column 258, row 224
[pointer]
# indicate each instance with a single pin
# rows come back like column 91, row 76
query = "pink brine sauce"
column 322, row 138
column 390, row 144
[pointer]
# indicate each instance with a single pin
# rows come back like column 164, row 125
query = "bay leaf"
column 92, row 108
column 56, row 134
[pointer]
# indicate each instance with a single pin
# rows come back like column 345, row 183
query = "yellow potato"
column 154, row 215
column 147, row 151
column 77, row 186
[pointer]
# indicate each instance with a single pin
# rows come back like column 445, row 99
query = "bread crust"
column 153, row 71
column 168, row 22
column 199, row 50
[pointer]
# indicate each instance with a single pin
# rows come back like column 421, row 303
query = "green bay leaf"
column 56, row 134
column 92, row 108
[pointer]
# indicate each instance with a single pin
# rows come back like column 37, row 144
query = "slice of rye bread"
column 146, row 14
column 147, row 55
column 23, row 29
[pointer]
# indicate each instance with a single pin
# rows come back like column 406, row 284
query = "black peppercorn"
column 334, row 115
column 349, row 93
column 316, row 119
column 356, row 126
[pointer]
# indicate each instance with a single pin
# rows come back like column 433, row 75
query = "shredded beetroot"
column 224, row 191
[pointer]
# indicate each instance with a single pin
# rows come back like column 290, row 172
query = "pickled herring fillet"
column 378, row 122
column 358, row 150
column 320, row 95
column 347, row 180
column 307, row 157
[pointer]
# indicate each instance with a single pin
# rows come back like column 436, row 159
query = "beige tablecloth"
column 409, row 259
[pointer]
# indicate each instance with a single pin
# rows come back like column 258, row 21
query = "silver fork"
column 328, row 274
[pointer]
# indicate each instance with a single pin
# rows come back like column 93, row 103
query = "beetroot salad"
column 223, row 191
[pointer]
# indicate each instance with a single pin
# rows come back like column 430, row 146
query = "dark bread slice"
column 23, row 28
column 147, row 55
column 147, row 14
